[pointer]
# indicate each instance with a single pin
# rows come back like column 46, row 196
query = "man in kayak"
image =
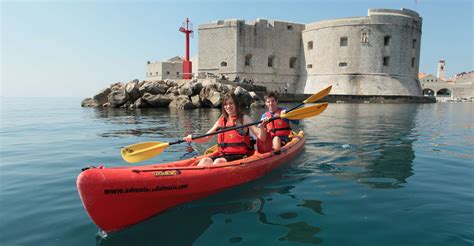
column 234, row 144
column 278, row 131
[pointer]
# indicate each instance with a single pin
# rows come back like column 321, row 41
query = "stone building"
column 458, row 87
column 373, row 55
column 170, row 69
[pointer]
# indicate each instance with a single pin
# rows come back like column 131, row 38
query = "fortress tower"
column 441, row 69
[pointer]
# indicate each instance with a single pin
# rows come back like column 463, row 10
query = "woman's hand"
column 188, row 138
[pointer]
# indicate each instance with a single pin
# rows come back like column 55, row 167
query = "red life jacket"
column 278, row 127
column 231, row 142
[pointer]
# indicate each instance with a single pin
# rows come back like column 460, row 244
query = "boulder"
column 117, row 97
column 196, row 101
column 244, row 96
column 186, row 90
column 172, row 91
column 210, row 97
column 254, row 96
column 153, row 87
column 139, row 103
column 257, row 104
column 89, row 102
column 102, row 96
column 156, row 100
column 132, row 90
column 197, row 87
column 181, row 102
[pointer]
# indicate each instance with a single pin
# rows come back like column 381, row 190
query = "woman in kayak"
column 235, row 144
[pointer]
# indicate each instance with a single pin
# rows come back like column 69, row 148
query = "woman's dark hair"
column 236, row 102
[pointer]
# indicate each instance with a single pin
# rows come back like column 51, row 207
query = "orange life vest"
column 232, row 142
column 278, row 127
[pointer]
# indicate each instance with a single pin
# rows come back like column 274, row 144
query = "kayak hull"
column 115, row 198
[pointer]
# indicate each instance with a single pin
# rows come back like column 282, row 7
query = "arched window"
column 223, row 64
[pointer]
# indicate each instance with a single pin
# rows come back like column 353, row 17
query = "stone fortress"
column 374, row 55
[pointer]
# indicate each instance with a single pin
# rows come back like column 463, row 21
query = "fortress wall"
column 277, row 39
column 217, row 44
column 358, row 67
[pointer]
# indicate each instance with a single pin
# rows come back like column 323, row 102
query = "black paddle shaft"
column 225, row 130
column 236, row 127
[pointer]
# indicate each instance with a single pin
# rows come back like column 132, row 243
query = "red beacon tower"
column 187, row 28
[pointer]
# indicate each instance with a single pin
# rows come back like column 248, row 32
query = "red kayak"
column 118, row 197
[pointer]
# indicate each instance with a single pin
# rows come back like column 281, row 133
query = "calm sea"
column 370, row 174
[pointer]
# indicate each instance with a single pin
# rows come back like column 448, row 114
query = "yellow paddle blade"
column 306, row 112
column 142, row 151
column 318, row 95
column 211, row 149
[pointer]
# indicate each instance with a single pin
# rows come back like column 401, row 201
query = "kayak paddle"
column 319, row 95
column 146, row 150
column 313, row 98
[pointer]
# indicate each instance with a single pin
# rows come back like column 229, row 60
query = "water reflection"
column 159, row 122
column 372, row 144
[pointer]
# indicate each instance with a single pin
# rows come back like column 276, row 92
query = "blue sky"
column 77, row 48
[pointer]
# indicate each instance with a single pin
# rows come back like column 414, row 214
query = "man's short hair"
column 271, row 94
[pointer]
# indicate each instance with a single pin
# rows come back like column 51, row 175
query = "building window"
column 386, row 41
column 414, row 43
column 342, row 64
column 310, row 45
column 270, row 61
column 248, row 60
column 289, row 27
column 156, row 73
column 309, row 66
column 343, row 41
column 292, row 62
column 413, row 62
column 386, row 60
column 167, row 73
column 177, row 74
column 223, row 64
column 151, row 74
column 364, row 38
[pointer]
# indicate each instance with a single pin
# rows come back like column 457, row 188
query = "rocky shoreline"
column 173, row 94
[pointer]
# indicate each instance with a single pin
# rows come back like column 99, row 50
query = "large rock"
column 132, row 90
column 197, row 87
column 153, row 87
column 118, row 97
column 172, row 91
column 186, row 90
column 254, row 96
column 211, row 97
column 181, row 102
column 257, row 104
column 224, row 88
column 196, row 100
column 102, row 96
column 244, row 96
column 156, row 100
column 139, row 103
column 89, row 102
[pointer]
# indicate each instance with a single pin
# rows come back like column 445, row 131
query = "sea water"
column 370, row 174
